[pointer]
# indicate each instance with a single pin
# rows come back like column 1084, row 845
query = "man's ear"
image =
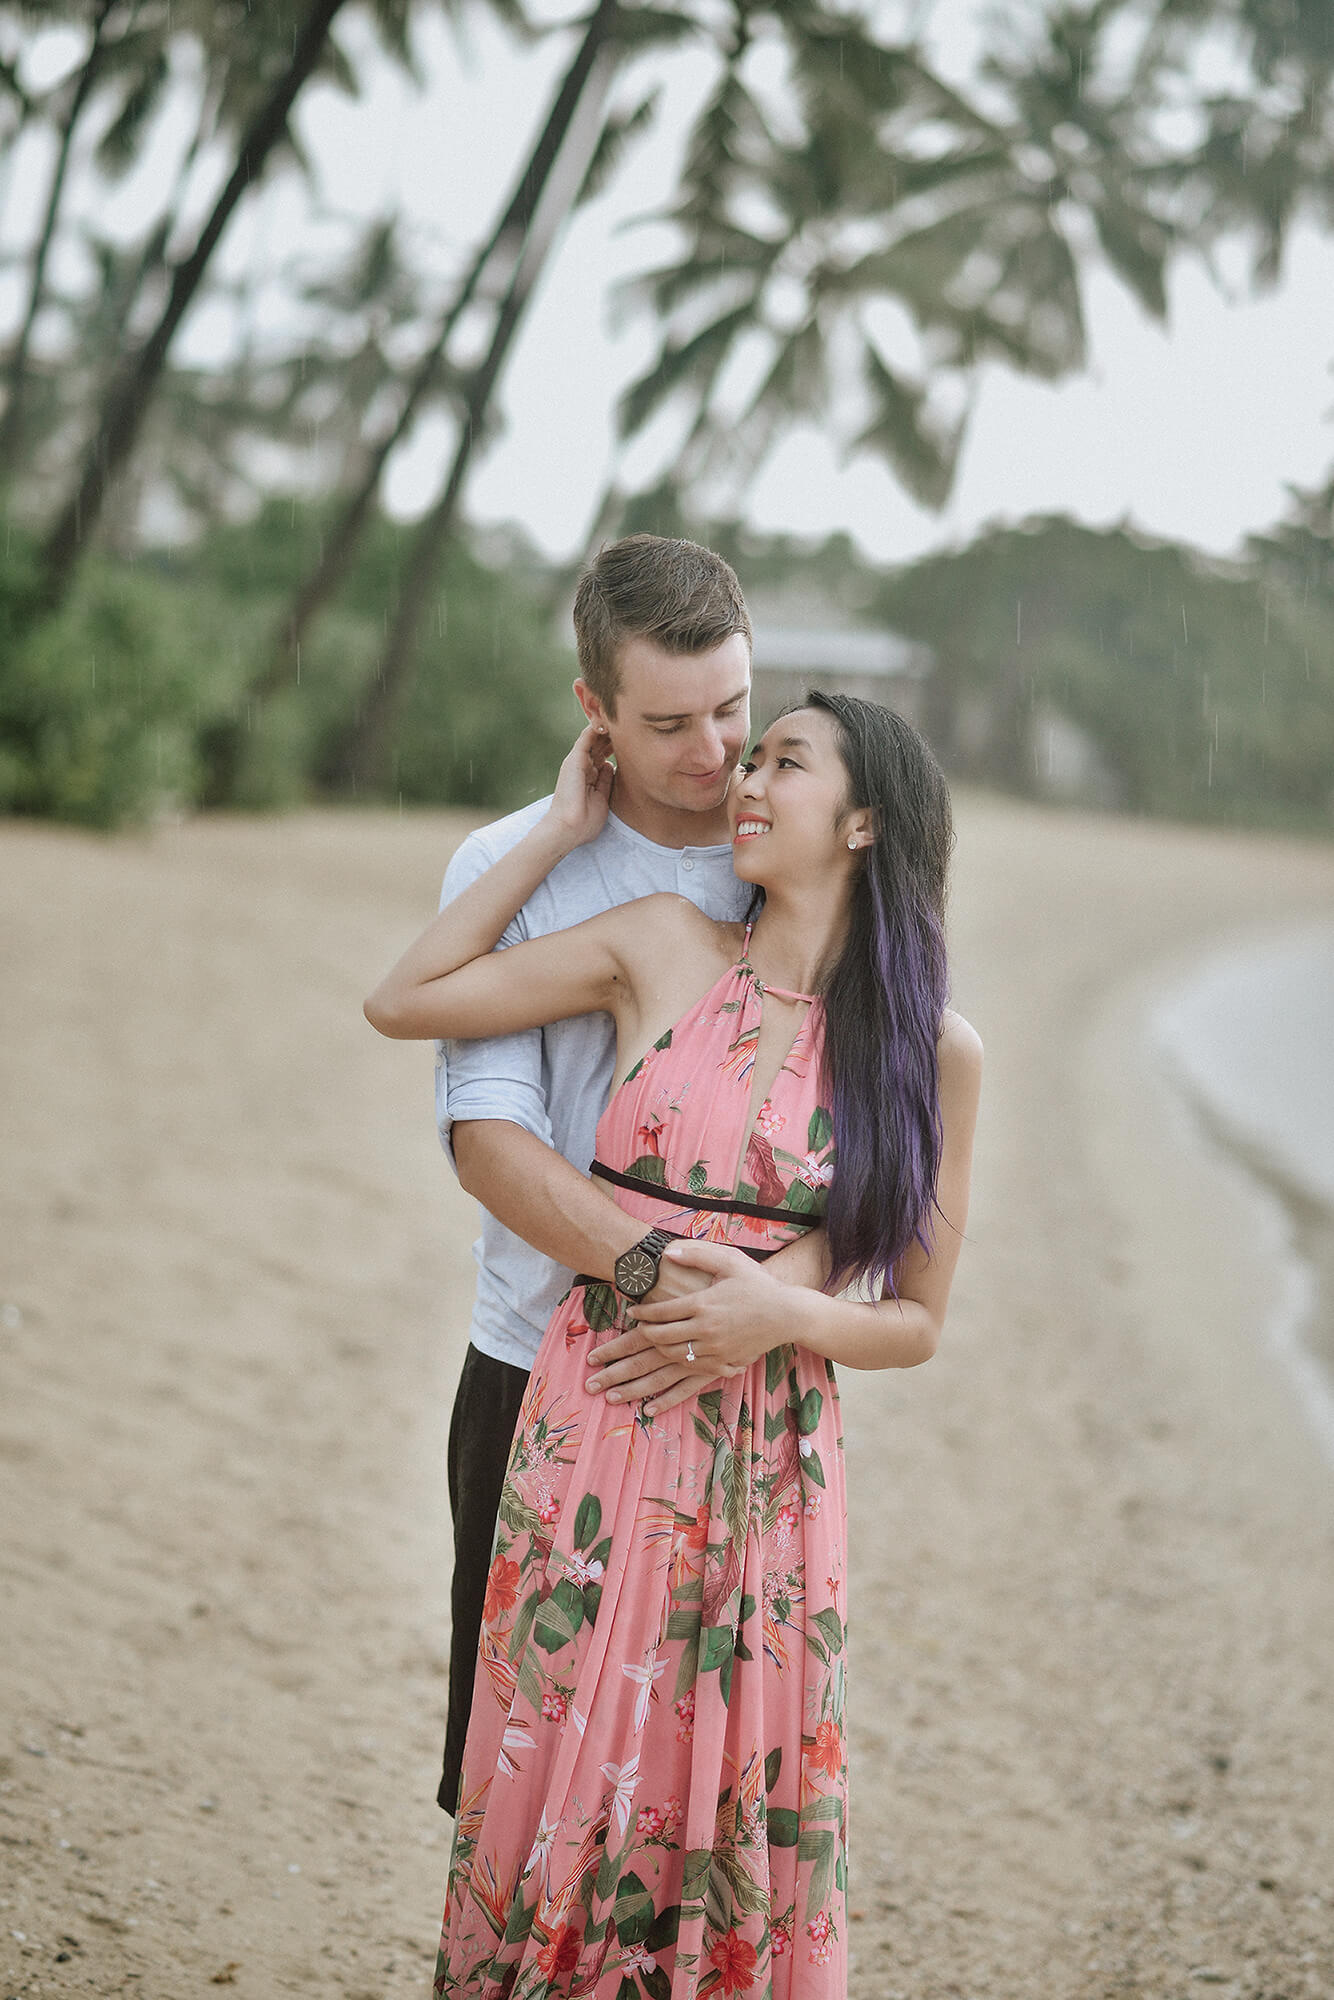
column 591, row 706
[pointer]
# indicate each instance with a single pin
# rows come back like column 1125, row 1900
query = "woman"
column 654, row 1793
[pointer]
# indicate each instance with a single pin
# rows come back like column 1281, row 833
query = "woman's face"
column 788, row 804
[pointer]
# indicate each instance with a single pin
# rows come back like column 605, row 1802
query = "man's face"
column 681, row 722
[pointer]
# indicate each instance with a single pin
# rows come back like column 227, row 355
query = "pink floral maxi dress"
column 654, row 1787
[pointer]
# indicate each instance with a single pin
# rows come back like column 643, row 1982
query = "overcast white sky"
column 1192, row 431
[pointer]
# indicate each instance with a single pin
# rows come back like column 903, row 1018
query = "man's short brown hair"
column 683, row 597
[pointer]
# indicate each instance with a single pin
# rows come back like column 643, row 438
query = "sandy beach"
column 1092, row 1580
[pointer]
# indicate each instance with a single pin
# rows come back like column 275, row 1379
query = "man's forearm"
column 534, row 1191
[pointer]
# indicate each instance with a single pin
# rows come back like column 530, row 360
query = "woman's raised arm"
column 451, row 981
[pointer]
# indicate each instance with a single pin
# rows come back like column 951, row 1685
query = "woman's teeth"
column 745, row 827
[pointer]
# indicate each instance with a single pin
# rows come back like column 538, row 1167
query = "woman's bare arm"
column 449, row 983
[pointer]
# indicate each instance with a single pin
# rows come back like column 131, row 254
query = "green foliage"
column 490, row 714
column 117, row 708
column 1208, row 690
column 99, row 707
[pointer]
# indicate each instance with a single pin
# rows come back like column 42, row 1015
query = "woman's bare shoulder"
column 666, row 929
column 960, row 1045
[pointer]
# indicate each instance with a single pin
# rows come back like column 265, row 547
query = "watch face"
column 636, row 1272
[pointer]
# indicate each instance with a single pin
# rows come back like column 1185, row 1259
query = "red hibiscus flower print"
column 502, row 1588
column 826, row 1753
column 561, row 1955
column 697, row 1536
column 734, row 1961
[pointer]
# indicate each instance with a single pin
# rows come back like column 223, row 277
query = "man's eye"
column 667, row 729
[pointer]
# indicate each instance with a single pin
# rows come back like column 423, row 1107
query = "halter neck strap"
column 779, row 992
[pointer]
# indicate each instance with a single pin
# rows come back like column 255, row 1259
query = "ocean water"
column 1249, row 1038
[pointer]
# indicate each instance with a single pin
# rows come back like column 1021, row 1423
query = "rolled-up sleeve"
column 502, row 1076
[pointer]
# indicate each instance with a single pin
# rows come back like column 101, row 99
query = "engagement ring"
column 690, row 1350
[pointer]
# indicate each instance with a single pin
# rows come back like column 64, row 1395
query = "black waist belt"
column 675, row 1198
column 720, row 1206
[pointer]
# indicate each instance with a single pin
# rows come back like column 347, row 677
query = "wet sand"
column 1092, row 1586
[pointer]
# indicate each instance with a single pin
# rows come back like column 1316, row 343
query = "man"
column 664, row 645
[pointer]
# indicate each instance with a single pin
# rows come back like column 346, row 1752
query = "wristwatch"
column 635, row 1271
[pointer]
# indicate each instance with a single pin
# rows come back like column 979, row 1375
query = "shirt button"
column 687, row 864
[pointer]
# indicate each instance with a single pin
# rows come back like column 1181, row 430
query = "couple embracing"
column 712, row 1078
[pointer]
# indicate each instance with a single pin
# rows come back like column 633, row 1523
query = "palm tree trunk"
column 502, row 249
column 360, row 759
column 128, row 402
column 11, row 424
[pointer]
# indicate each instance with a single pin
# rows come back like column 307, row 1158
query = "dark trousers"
column 481, row 1431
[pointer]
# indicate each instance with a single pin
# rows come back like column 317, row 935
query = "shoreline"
column 1300, row 1213
column 1303, row 1250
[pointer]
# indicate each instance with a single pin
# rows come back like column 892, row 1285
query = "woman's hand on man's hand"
column 712, row 1312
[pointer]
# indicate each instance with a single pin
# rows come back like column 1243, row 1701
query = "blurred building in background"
column 791, row 659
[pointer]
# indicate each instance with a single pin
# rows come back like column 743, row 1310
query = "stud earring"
column 852, row 841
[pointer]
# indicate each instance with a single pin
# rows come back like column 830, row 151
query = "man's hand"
column 710, row 1299
column 632, row 1370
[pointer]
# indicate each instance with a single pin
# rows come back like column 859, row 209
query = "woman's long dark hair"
column 885, row 996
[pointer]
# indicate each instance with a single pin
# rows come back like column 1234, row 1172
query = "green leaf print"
column 698, row 1177
column 688, row 1671
column 748, row 1895
column 775, row 1366
column 633, row 1911
column 530, row 1681
column 523, row 1625
column 808, row 1414
column 818, row 1845
column 683, row 1622
column 627, row 1990
column 589, row 1517
column 695, row 1873
column 735, row 1496
column 601, row 1307
column 664, row 1929
column 664, row 1043
column 800, row 1199
column 725, row 1680
column 783, row 1827
column 608, row 1869
column 820, row 1130
column 559, row 1617
column 812, row 1468
column 773, row 1764
column 717, row 1648
column 648, row 1167
column 517, row 1515
column 592, row 1597
column 831, row 1625
column 520, row 1920
column 656, row 1984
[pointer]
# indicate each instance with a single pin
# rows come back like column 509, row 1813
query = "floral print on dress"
column 653, row 1802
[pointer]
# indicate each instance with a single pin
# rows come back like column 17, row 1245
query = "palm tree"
column 876, row 237
column 557, row 173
